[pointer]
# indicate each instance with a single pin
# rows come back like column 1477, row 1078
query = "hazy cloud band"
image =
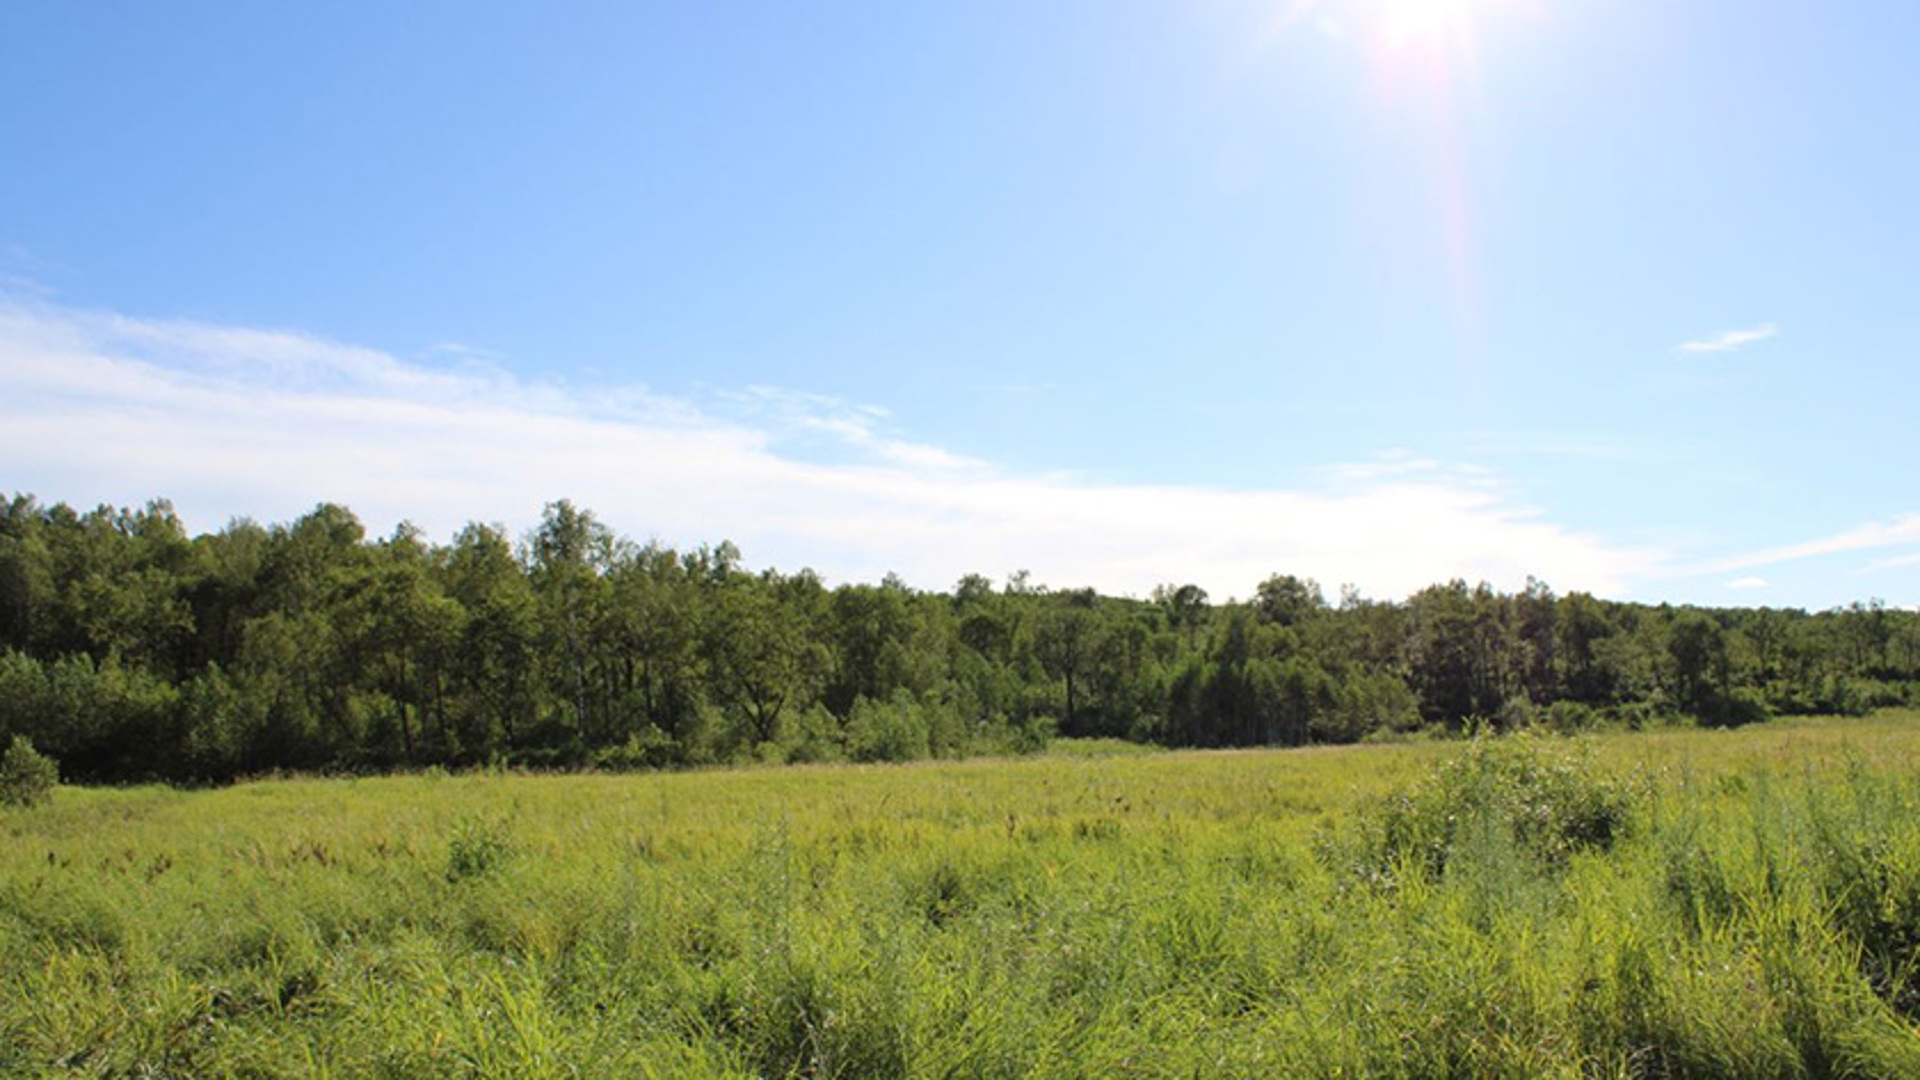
column 238, row 421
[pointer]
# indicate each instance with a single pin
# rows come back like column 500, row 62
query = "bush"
column 1033, row 735
column 476, row 847
column 1567, row 717
column 27, row 776
column 1744, row 706
column 1635, row 715
column 811, row 735
column 1837, row 695
column 1517, row 713
column 1546, row 803
column 890, row 730
column 1370, row 704
column 645, row 748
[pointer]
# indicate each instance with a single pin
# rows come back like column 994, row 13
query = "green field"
column 1687, row 903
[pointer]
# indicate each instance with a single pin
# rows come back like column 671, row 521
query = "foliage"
column 1522, row 792
column 891, row 730
column 477, row 846
column 1568, row 717
column 27, row 777
column 132, row 651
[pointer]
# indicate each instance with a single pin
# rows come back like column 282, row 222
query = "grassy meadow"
column 1674, row 904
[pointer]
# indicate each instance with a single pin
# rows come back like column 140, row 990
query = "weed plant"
column 1673, row 904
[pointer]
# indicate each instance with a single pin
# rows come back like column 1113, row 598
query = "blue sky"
column 1381, row 292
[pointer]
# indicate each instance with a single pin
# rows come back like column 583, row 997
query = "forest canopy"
column 130, row 650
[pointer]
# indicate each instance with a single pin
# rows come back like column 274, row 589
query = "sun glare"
column 1441, row 32
column 1402, row 25
column 1424, row 23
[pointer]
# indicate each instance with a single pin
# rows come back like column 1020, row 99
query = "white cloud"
column 1894, row 563
column 1747, row 583
column 233, row 421
column 1395, row 463
column 1901, row 529
column 792, row 414
column 1730, row 340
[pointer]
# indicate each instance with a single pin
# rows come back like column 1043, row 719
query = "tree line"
column 130, row 650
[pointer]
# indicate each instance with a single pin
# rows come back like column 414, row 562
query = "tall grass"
column 1741, row 904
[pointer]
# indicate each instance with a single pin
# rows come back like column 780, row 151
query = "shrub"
column 1635, row 715
column 890, row 730
column 1369, row 704
column 1840, row 696
column 1032, row 735
column 1744, row 706
column 1567, row 717
column 1516, row 713
column 646, row 748
column 476, row 847
column 1546, row 803
column 27, row 776
column 811, row 735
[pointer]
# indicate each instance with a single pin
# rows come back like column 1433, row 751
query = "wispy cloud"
column 1535, row 443
column 24, row 273
column 1747, row 583
column 1897, row 562
column 19, row 283
column 1730, row 340
column 241, row 421
column 1395, row 463
column 1898, row 530
column 799, row 416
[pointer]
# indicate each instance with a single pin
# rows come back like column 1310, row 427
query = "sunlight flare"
column 1424, row 23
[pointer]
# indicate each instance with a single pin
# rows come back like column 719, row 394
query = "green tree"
column 26, row 574
column 1702, row 664
column 763, row 657
column 1286, row 600
column 408, row 635
column 1186, row 609
column 655, row 622
column 1580, row 623
column 1063, row 639
column 225, row 589
column 569, row 554
column 1459, row 657
column 863, row 622
column 497, row 684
